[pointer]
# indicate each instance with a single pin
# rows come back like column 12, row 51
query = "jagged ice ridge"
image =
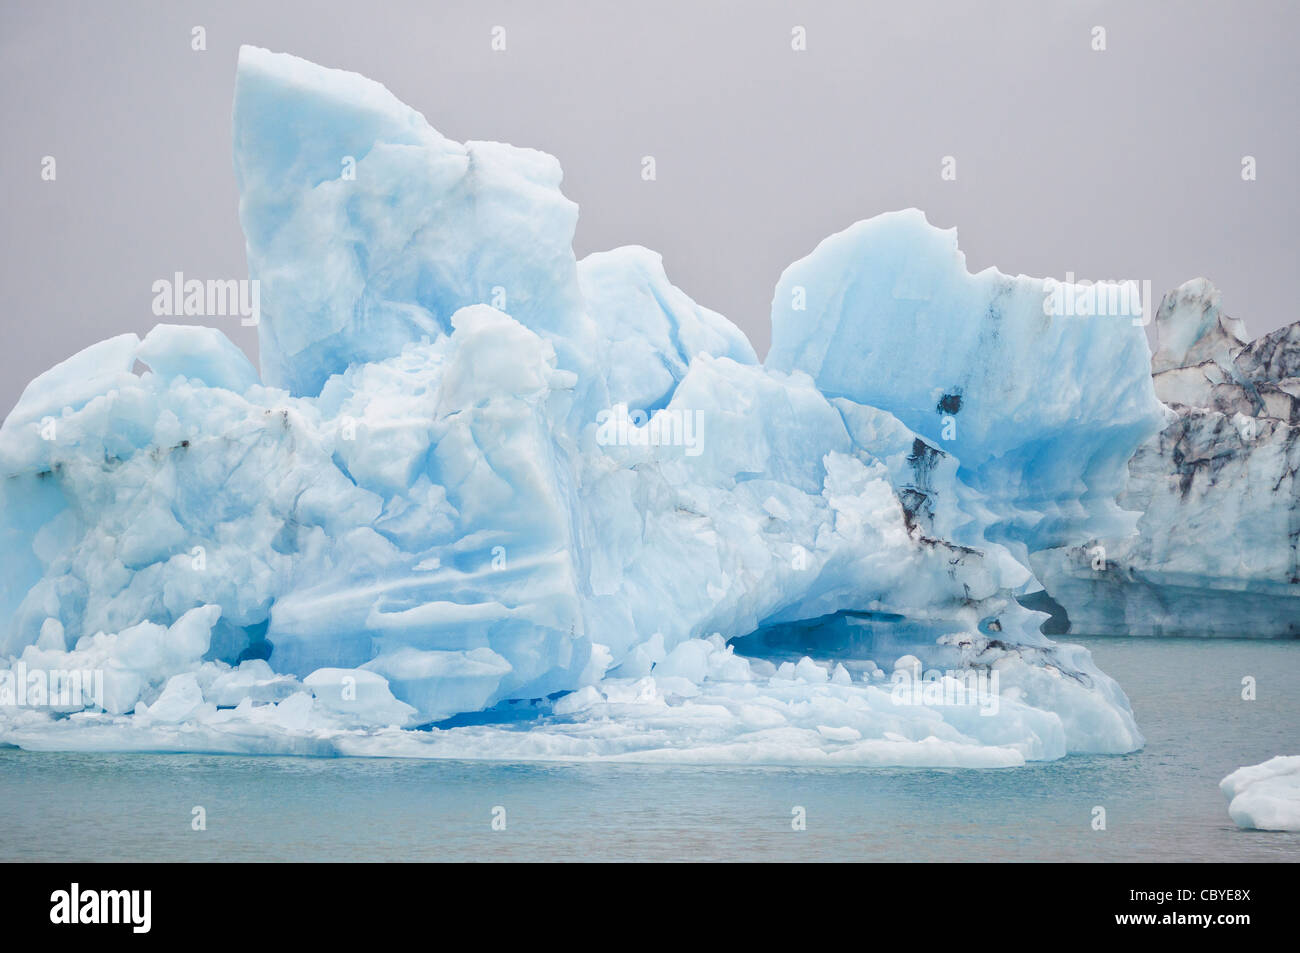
column 1217, row 549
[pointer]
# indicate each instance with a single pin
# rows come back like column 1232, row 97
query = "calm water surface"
column 1161, row 803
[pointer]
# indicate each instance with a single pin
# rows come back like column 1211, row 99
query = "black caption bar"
column 140, row 903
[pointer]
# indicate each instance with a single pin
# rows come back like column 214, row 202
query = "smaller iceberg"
column 1265, row 797
column 1217, row 549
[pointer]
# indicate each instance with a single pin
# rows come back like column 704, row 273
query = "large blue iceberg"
column 485, row 500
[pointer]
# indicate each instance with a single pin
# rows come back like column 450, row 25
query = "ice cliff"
column 550, row 508
column 1217, row 551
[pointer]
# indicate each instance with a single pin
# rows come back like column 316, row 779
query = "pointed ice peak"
column 1190, row 328
column 1272, row 357
column 367, row 229
column 299, row 119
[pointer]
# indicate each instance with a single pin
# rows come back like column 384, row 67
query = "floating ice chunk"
column 720, row 721
column 181, row 700
column 134, row 662
column 642, row 658
column 1265, row 796
column 51, row 638
column 728, row 717
column 578, row 701
column 688, row 660
column 153, row 651
column 809, row 671
column 254, row 680
column 361, row 697
column 442, row 683
column 909, row 664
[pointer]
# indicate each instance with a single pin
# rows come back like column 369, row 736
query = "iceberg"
column 1217, row 548
column 1266, row 796
column 485, row 500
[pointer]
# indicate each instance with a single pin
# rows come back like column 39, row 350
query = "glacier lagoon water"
column 1162, row 803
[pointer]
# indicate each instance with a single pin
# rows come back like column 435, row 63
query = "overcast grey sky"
column 1117, row 164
